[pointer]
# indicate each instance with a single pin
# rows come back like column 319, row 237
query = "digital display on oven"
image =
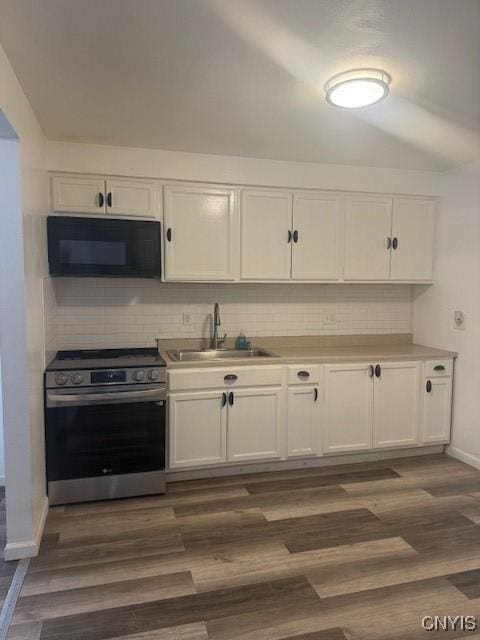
column 101, row 377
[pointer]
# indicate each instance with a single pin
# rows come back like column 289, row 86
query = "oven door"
column 103, row 247
column 102, row 432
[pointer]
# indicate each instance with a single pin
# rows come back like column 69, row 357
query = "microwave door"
column 92, row 247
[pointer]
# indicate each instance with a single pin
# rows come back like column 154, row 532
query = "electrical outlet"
column 187, row 319
column 330, row 317
column 459, row 320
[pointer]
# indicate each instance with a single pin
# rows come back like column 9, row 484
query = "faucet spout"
column 217, row 343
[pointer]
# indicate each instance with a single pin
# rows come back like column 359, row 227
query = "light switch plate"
column 459, row 320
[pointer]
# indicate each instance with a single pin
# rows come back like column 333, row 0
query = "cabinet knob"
column 224, row 399
column 395, row 243
column 289, row 236
column 315, row 394
column 428, row 386
column 378, row 370
column 169, row 234
column 230, row 398
column 109, row 199
column 101, row 199
column 439, row 367
column 303, row 374
column 230, row 377
column 389, row 243
column 295, row 236
column 371, row 370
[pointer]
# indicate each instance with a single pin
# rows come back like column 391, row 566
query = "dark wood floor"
column 359, row 552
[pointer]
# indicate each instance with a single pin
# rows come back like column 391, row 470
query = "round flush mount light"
column 357, row 88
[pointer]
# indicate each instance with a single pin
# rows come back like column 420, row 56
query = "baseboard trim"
column 28, row 548
column 463, row 456
column 303, row 463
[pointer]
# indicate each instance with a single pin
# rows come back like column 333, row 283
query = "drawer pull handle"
column 428, row 386
column 315, row 394
column 230, row 398
column 231, row 377
column 439, row 367
column 303, row 374
column 224, row 399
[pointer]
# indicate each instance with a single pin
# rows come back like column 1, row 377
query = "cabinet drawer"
column 225, row 377
column 303, row 374
column 438, row 368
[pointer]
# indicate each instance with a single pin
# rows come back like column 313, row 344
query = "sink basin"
column 221, row 354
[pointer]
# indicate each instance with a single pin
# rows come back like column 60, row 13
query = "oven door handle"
column 73, row 399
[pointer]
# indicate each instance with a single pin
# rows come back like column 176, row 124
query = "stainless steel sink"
column 220, row 354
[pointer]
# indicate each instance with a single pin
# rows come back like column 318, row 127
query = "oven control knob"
column 153, row 374
column 60, row 379
column 77, row 378
column 139, row 375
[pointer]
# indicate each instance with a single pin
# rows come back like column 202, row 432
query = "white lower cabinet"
column 437, row 405
column 348, row 408
column 303, row 421
column 197, row 429
column 255, row 424
column 396, row 404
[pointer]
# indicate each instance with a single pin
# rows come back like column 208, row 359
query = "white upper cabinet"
column 396, row 404
column 115, row 196
column 368, row 237
column 317, row 246
column 78, row 194
column 266, row 235
column 348, row 408
column 133, row 197
column 412, row 239
column 200, row 233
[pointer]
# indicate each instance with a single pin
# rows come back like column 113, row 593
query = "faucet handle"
column 221, row 341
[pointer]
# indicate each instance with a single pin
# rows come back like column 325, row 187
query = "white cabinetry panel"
column 303, row 421
column 199, row 233
column 412, row 235
column 265, row 227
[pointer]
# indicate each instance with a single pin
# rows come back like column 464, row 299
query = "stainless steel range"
column 105, row 424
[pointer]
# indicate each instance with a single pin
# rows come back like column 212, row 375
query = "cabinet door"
column 396, row 404
column 303, row 421
column 77, row 194
column 437, row 404
column 368, row 227
column 348, row 408
column 255, row 424
column 412, row 231
column 197, row 429
column 316, row 249
column 132, row 197
column 266, row 235
column 199, row 233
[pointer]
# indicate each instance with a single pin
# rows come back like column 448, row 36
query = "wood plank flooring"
column 7, row 569
column 353, row 552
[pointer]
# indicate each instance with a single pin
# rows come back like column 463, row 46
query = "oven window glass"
column 87, row 441
column 92, row 252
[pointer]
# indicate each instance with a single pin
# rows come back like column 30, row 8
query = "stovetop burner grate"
column 97, row 354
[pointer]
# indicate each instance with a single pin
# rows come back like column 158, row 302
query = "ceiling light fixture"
column 357, row 88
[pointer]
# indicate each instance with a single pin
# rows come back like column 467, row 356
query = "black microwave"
column 103, row 247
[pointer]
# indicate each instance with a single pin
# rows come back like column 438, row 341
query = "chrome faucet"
column 217, row 343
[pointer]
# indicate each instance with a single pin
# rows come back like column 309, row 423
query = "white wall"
column 457, row 287
column 173, row 165
column 24, row 452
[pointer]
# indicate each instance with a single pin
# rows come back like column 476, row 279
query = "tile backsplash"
column 91, row 312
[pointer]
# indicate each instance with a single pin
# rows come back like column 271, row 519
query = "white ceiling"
column 245, row 77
